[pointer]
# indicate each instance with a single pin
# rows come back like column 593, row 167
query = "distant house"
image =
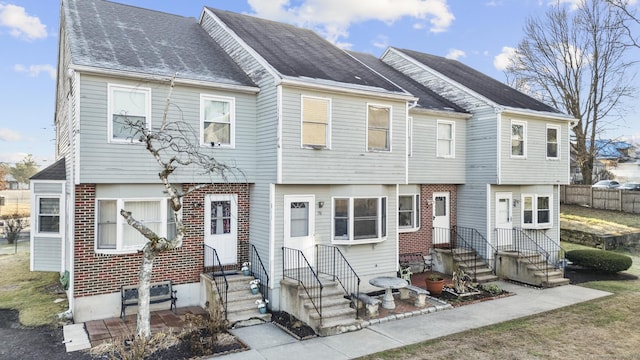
column 342, row 153
column 609, row 153
column 13, row 184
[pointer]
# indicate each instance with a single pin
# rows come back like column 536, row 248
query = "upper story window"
column 553, row 142
column 536, row 211
column 128, row 105
column 48, row 215
column 114, row 235
column 409, row 212
column 359, row 219
column 217, row 118
column 518, row 139
column 316, row 122
column 378, row 128
column 446, row 139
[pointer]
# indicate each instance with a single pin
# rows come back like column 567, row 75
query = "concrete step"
column 556, row 281
column 485, row 278
column 338, row 326
column 326, row 292
column 329, row 302
column 333, row 313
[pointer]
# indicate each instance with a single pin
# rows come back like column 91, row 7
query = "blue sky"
column 478, row 33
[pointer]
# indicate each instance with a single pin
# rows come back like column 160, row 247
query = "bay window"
column 536, row 211
column 359, row 219
column 48, row 215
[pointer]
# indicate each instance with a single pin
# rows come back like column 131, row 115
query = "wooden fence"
column 598, row 198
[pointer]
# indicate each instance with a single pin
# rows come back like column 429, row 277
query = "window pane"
column 552, row 143
column 517, row 140
column 129, row 102
column 315, row 110
column 220, row 217
column 217, row 111
column 122, row 126
column 440, row 206
column 528, row 217
column 378, row 131
column 365, row 218
column 107, row 212
column 217, row 133
column 148, row 213
column 378, row 139
column 341, row 219
column 314, row 134
column 552, row 135
column 444, row 148
column 49, row 206
column 379, row 117
column 405, row 214
column 543, row 210
column 171, row 222
column 444, row 131
column 299, row 219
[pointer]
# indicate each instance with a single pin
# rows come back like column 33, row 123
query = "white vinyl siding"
column 378, row 128
column 217, row 121
column 316, row 122
column 127, row 105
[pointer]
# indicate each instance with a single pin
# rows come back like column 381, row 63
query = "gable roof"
column 55, row 171
column 301, row 53
column 427, row 98
column 480, row 83
column 114, row 36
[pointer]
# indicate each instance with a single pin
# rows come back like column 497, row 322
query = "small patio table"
column 388, row 283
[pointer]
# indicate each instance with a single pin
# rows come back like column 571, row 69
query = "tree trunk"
column 144, row 324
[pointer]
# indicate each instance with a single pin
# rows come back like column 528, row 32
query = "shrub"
column 600, row 260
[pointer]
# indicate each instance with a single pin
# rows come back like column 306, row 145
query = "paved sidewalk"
column 269, row 342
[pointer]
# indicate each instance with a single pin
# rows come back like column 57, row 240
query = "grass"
column 31, row 293
column 602, row 328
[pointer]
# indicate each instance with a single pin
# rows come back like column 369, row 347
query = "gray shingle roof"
column 300, row 53
column 427, row 99
column 55, row 171
column 113, row 36
column 482, row 84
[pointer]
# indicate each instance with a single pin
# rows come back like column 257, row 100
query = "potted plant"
column 246, row 271
column 254, row 285
column 262, row 305
column 434, row 283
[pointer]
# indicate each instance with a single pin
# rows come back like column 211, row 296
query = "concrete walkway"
column 270, row 342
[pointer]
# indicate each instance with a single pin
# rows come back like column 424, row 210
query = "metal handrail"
column 211, row 253
column 332, row 262
column 295, row 266
column 557, row 254
column 261, row 273
column 480, row 244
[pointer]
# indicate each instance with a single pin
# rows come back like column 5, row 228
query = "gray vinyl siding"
column 260, row 226
column 266, row 108
column 63, row 95
column 102, row 161
column 471, row 202
column 537, row 168
column 46, row 249
column 347, row 161
column 365, row 258
column 425, row 167
column 482, row 147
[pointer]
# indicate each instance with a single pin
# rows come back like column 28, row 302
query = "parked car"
column 630, row 186
column 606, row 184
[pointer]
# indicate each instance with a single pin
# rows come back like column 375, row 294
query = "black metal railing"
column 259, row 272
column 213, row 267
column 469, row 248
column 296, row 267
column 476, row 241
column 330, row 261
column 521, row 242
column 556, row 252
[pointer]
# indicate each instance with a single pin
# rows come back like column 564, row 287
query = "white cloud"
column 455, row 54
column 332, row 18
column 21, row 24
column 35, row 70
column 9, row 135
column 502, row 60
column 381, row 42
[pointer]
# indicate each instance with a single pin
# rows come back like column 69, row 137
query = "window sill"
column 315, row 147
column 357, row 242
column 537, row 226
column 408, row 230
column 116, row 251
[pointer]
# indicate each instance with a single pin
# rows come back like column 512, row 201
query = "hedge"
column 599, row 260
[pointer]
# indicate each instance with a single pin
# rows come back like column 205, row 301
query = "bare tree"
column 574, row 61
column 174, row 145
column 629, row 11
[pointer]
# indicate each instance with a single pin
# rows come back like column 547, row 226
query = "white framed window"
column 359, row 219
column 217, row 121
column 114, row 235
column 553, row 142
column 378, row 128
column 536, row 211
column 127, row 105
column 518, row 139
column 316, row 122
column 48, row 215
column 409, row 212
column 446, row 139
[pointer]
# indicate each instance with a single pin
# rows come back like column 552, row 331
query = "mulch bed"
column 292, row 325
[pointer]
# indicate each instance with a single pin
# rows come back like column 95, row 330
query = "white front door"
column 299, row 227
column 221, row 227
column 441, row 218
column 504, row 219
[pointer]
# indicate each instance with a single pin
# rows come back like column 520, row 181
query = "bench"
column 413, row 291
column 158, row 293
column 369, row 303
column 416, row 261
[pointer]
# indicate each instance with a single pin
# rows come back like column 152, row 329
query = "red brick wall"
column 100, row 274
column 421, row 240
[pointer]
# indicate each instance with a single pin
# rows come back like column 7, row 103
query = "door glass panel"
column 299, row 219
column 440, row 208
column 220, row 217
